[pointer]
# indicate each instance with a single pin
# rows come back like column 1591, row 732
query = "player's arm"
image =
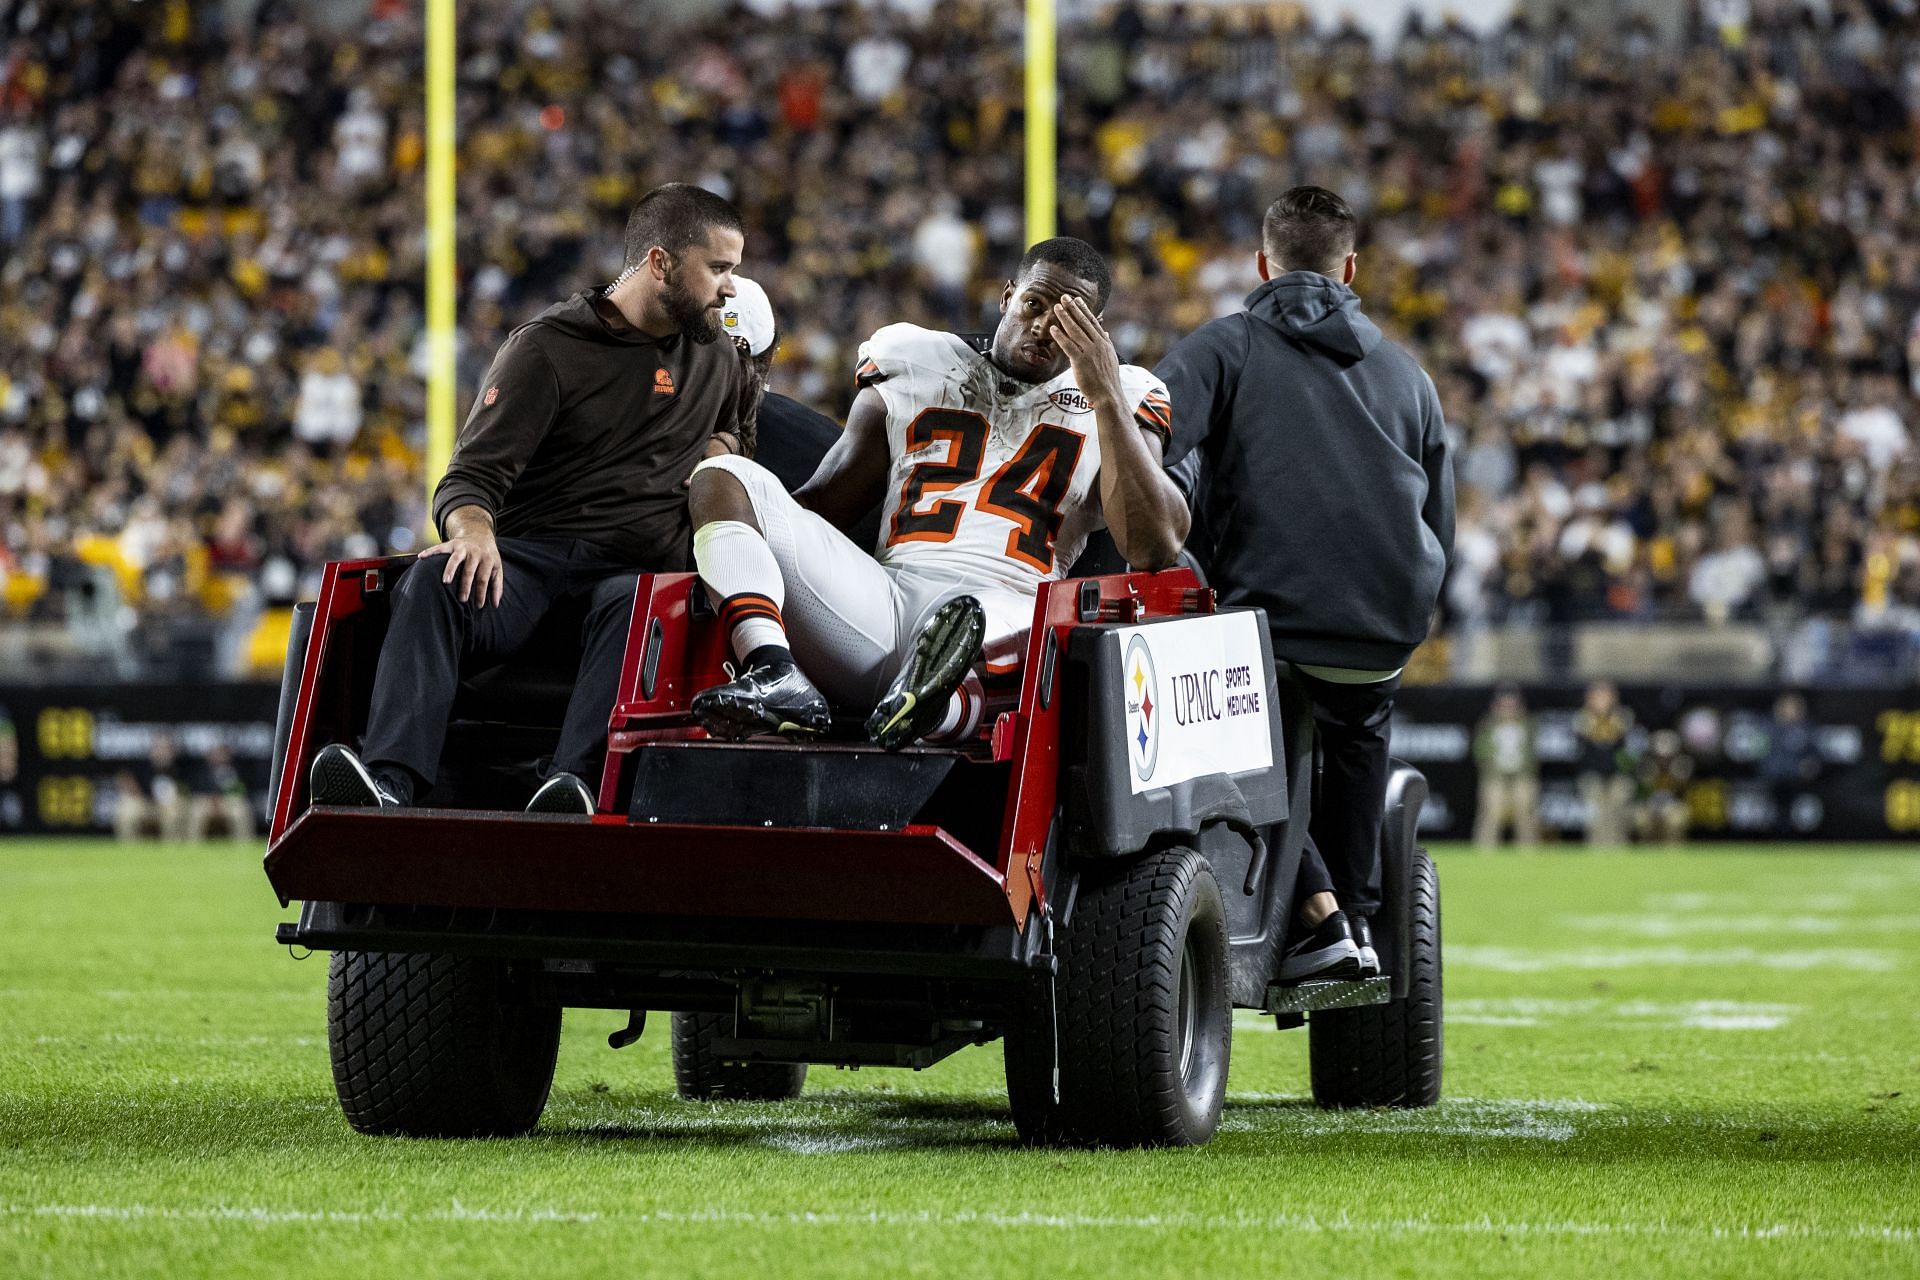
column 1143, row 509
column 852, row 479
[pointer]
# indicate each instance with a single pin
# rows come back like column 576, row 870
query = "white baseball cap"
column 748, row 315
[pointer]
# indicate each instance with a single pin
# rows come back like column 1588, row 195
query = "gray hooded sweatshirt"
column 1314, row 456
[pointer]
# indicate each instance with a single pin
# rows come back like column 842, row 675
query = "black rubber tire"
column 429, row 1046
column 1140, row 929
column 699, row 1073
column 1027, row 1049
column 1388, row 1055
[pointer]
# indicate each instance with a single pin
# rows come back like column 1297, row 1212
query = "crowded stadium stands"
column 1668, row 281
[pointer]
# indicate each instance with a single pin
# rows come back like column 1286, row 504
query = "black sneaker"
column 1362, row 929
column 338, row 777
column 773, row 697
column 1325, row 953
column 916, row 702
column 562, row 793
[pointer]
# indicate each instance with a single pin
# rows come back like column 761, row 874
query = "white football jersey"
column 994, row 481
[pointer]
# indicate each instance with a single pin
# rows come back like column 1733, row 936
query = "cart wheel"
column 1145, row 1027
column 434, row 1046
column 698, row 1071
column 1388, row 1055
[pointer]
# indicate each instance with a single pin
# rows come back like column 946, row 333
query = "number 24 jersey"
column 993, row 481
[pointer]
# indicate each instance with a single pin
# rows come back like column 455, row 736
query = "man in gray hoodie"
column 1314, row 456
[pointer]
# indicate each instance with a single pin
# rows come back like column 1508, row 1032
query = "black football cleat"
column 916, row 702
column 1326, row 952
column 563, row 793
column 774, row 697
column 338, row 777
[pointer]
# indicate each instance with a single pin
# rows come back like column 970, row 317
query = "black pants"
column 433, row 636
column 1353, row 720
column 1313, row 877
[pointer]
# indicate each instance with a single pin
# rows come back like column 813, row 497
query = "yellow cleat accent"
column 905, row 710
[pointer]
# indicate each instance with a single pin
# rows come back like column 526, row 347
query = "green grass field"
column 1657, row 1065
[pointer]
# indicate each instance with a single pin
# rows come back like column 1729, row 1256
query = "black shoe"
column 562, row 793
column 916, row 702
column 338, row 777
column 1362, row 929
column 773, row 697
column 1325, row 953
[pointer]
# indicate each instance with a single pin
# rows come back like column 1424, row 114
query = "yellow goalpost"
column 440, row 241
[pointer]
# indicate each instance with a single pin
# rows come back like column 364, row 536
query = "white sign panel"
column 1196, row 699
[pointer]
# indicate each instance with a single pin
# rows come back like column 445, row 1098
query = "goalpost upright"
column 1040, row 122
column 440, row 241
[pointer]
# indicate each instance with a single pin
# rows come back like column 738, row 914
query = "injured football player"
column 992, row 470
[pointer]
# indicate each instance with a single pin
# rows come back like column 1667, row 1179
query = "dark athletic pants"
column 433, row 636
column 1353, row 721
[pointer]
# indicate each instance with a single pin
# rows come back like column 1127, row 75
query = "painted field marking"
column 197, row 1042
column 1893, row 1233
column 1732, row 900
column 1701, row 1015
column 1670, row 925
column 1522, row 960
column 317, row 997
column 1542, row 1119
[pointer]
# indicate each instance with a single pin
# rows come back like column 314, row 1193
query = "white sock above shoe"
column 744, row 579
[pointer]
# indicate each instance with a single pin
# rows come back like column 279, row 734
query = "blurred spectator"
column 19, row 178
column 329, row 411
column 1724, row 580
column 945, row 256
column 1792, row 761
column 1661, row 816
column 220, row 800
column 1606, row 765
column 9, row 748
column 152, row 799
column 1503, row 751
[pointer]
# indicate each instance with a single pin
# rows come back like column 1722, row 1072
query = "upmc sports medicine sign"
column 1196, row 699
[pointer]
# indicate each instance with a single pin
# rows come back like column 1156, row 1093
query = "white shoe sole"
column 562, row 796
column 339, row 778
column 1327, row 962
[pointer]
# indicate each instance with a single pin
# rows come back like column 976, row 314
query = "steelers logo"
column 1143, row 715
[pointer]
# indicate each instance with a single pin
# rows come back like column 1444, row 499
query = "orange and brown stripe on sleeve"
column 1155, row 414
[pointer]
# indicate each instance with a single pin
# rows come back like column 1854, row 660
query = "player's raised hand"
column 1077, row 331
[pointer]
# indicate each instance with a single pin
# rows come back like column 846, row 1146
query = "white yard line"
column 197, row 1042
column 1520, row 960
column 316, row 997
column 1339, row 1223
column 1702, row 1015
column 1659, row 924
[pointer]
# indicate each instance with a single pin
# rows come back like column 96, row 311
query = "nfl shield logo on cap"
column 748, row 316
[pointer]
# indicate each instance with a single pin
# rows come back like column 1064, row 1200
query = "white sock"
column 744, row 580
column 964, row 711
